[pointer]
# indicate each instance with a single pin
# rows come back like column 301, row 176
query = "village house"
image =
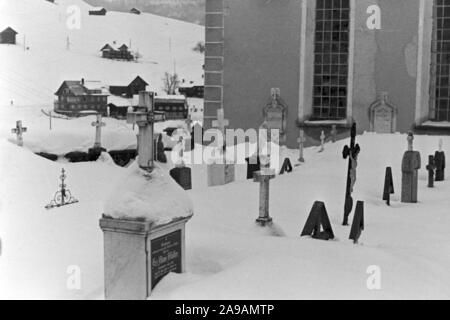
column 97, row 11
column 191, row 89
column 8, row 36
column 121, row 53
column 135, row 11
column 323, row 63
column 75, row 97
column 134, row 87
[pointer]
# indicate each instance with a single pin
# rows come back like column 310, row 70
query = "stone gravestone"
column 430, row 168
column 358, row 222
column 286, row 167
column 318, row 224
column 221, row 173
column 410, row 165
column 19, row 131
column 263, row 177
column 388, row 186
column 322, row 141
column 351, row 152
column 333, row 133
column 275, row 114
column 182, row 174
column 160, row 156
column 253, row 165
column 439, row 159
column 383, row 115
column 138, row 252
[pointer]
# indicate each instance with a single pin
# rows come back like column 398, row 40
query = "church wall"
column 262, row 50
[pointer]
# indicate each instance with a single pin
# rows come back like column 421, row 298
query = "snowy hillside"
column 30, row 77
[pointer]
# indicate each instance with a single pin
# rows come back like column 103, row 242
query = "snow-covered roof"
column 170, row 97
column 119, row 101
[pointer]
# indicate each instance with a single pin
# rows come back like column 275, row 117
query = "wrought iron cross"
column 19, row 130
column 351, row 152
column 145, row 117
column 62, row 197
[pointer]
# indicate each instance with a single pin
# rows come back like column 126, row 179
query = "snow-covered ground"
column 228, row 256
column 31, row 77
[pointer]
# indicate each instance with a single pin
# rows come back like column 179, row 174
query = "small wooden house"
column 111, row 52
column 74, row 97
column 135, row 11
column 8, row 36
column 97, row 11
column 134, row 87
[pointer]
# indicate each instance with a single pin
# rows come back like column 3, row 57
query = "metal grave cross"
column 301, row 140
column 220, row 124
column 98, row 124
column 145, row 117
column 19, row 130
column 352, row 154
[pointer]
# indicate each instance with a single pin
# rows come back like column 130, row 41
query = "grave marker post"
column 263, row 177
column 19, row 130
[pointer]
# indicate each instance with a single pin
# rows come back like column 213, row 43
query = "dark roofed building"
column 134, row 87
column 135, row 11
column 100, row 11
column 8, row 36
column 112, row 52
column 74, row 97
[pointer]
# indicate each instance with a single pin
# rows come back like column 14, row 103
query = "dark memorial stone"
column 165, row 256
column 318, row 225
column 351, row 152
column 430, row 168
column 358, row 222
column 286, row 167
column 182, row 175
column 410, row 165
column 388, row 186
column 253, row 165
column 439, row 160
column 123, row 157
column 160, row 156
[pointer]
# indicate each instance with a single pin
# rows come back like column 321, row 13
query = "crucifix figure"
column 263, row 177
column 301, row 140
column 145, row 117
column 98, row 124
column 351, row 153
column 220, row 124
column 322, row 141
column 19, row 130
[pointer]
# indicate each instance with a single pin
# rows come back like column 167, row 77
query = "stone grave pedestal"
column 138, row 254
column 220, row 174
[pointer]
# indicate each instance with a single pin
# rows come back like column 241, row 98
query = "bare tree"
column 171, row 83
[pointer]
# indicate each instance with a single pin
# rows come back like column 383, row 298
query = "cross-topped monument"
column 19, row 130
column 145, row 117
column 98, row 124
column 221, row 123
column 301, row 140
column 351, row 152
column 411, row 163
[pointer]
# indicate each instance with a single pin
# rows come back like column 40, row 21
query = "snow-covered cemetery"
column 285, row 150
